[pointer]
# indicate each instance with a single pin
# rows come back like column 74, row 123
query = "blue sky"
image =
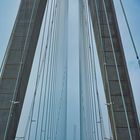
column 8, row 10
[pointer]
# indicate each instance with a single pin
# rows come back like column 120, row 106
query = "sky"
column 8, row 11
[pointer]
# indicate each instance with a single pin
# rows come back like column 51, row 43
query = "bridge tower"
column 20, row 53
column 18, row 63
column 118, row 91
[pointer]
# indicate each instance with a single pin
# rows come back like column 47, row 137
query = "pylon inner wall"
column 17, row 65
column 120, row 101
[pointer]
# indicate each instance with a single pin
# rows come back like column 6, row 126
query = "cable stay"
column 130, row 33
column 90, row 107
column 49, row 98
column 47, row 117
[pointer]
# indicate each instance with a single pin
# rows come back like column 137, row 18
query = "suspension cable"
column 89, row 77
column 50, row 70
column 83, row 117
column 43, row 73
column 37, row 81
column 49, row 83
column 96, row 88
column 130, row 33
column 94, row 96
column 45, row 91
column 95, row 77
column 93, row 101
column 53, row 88
column 52, row 82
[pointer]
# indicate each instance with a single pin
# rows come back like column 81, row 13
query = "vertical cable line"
column 95, row 77
column 26, row 131
column 90, row 90
column 48, row 97
column 40, row 98
column 51, row 94
column 80, row 71
column 93, row 96
column 89, row 74
column 93, row 69
column 60, row 106
column 52, row 91
column 19, row 72
column 66, row 61
column 47, row 81
column 51, row 69
column 37, row 82
column 130, row 33
column 57, row 12
column 82, row 110
column 91, row 109
column 58, row 4
column 112, row 45
column 47, row 74
column 58, row 25
column 89, row 78
column 50, row 76
column 44, row 103
column 45, row 92
column 63, row 75
column 80, row 97
column 85, row 90
column 43, row 76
